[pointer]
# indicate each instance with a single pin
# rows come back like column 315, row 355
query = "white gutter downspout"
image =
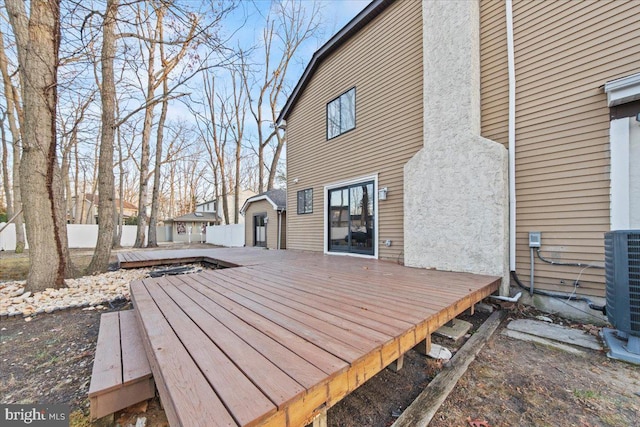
column 279, row 228
column 512, row 136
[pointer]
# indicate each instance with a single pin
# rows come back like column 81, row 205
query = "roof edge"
column 257, row 198
column 373, row 9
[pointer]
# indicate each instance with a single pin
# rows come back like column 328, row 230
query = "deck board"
column 339, row 307
column 309, row 314
column 285, row 334
column 134, row 362
column 276, row 385
column 121, row 374
column 317, row 356
column 186, row 395
column 107, row 366
column 245, row 402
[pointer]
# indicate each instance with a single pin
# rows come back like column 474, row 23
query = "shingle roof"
column 200, row 217
column 277, row 197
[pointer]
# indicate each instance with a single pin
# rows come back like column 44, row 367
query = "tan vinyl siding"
column 260, row 207
column 494, row 73
column 564, row 52
column 384, row 63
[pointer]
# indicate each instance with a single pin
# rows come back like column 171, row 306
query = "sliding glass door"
column 352, row 219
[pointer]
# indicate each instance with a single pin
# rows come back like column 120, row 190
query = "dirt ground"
column 511, row 383
column 516, row 383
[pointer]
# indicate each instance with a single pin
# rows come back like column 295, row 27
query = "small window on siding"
column 341, row 114
column 305, row 201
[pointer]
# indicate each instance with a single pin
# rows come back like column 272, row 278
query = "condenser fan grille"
column 634, row 280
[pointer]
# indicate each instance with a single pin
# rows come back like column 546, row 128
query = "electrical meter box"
column 534, row 239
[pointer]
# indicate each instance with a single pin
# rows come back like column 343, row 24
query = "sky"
column 244, row 25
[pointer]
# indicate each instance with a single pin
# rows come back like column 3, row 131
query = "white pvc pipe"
column 279, row 229
column 514, row 298
column 512, row 135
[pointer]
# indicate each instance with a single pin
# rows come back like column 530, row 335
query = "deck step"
column 121, row 374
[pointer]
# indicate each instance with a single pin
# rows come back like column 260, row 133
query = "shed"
column 192, row 227
column 266, row 219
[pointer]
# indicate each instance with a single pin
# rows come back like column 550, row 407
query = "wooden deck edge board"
column 163, row 391
column 121, row 397
column 371, row 364
column 152, row 262
column 422, row 410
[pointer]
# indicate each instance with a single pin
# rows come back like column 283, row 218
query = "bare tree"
column 38, row 41
column 6, row 183
column 237, row 129
column 155, row 79
column 168, row 64
column 12, row 99
column 69, row 143
column 106, row 214
column 214, row 128
column 288, row 26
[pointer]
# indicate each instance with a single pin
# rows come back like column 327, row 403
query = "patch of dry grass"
column 16, row 267
column 13, row 268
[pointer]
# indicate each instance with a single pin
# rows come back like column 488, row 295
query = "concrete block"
column 439, row 352
column 484, row 308
column 549, row 343
column 456, row 330
column 556, row 333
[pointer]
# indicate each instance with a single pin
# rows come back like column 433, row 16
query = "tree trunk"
column 12, row 106
column 155, row 199
column 146, row 151
column 236, row 188
column 117, row 236
column 38, row 41
column 6, row 185
column 274, row 162
column 100, row 260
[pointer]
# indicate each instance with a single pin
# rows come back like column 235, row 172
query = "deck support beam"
column 321, row 419
column 397, row 364
column 424, row 346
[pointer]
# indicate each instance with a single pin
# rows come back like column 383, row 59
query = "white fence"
column 226, row 235
column 79, row 235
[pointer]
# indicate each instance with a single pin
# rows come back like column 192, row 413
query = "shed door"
column 260, row 230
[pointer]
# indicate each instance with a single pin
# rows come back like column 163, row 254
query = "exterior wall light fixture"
column 382, row 193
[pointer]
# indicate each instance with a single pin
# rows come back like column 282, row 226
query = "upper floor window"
column 341, row 114
column 305, row 201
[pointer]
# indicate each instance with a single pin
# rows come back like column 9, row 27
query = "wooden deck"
column 285, row 335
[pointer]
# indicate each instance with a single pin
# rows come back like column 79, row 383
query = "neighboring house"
column 266, row 219
column 192, row 227
column 231, row 198
column 404, row 126
column 208, row 206
column 85, row 211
